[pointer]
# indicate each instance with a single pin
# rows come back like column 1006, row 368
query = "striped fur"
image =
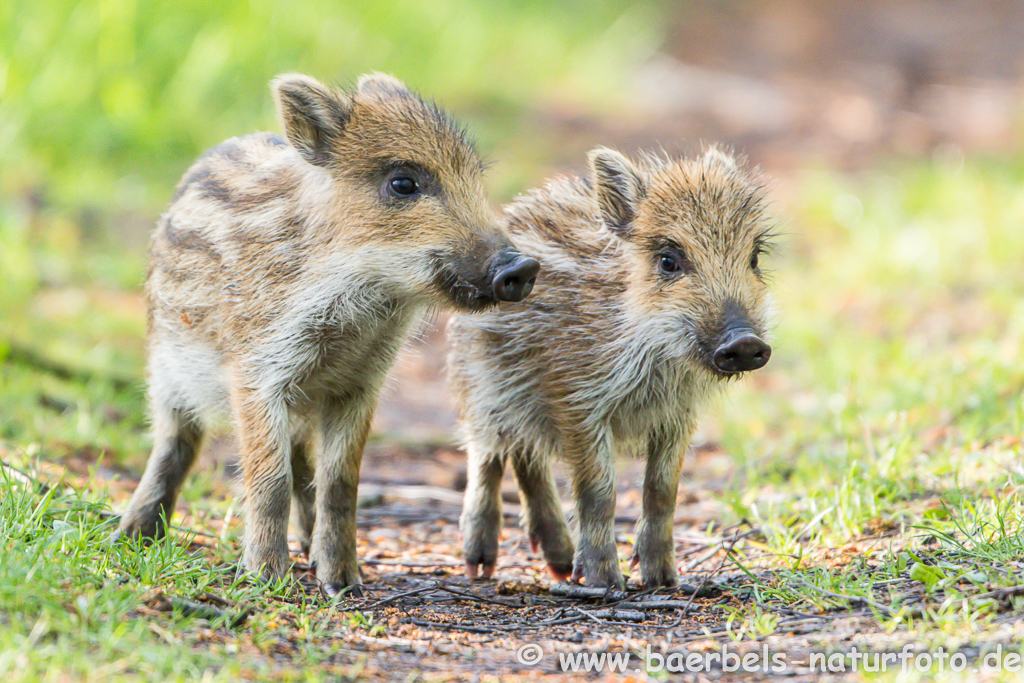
column 283, row 279
column 609, row 357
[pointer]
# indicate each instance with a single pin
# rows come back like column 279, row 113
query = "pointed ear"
column 617, row 187
column 381, row 85
column 715, row 156
column 313, row 116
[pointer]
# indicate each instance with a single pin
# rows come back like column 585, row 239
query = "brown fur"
column 610, row 356
column 282, row 281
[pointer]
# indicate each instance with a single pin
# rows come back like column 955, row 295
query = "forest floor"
column 861, row 493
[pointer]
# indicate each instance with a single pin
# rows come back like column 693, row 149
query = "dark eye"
column 753, row 261
column 403, row 186
column 669, row 264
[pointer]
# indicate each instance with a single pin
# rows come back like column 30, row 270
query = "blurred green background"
column 891, row 135
column 893, row 148
column 104, row 103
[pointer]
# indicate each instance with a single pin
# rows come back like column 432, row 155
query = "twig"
column 25, row 478
column 23, row 356
column 461, row 627
column 1006, row 592
column 213, row 597
column 613, row 614
column 565, row 620
column 849, row 598
column 568, row 590
column 393, row 598
column 408, row 563
column 731, row 541
column 472, row 596
column 170, row 603
column 652, row 604
column 707, row 577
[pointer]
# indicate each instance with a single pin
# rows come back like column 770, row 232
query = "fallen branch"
column 460, row 627
column 480, row 598
column 575, row 592
column 25, row 478
column 395, row 598
column 613, row 614
column 731, row 542
column 23, row 356
column 849, row 598
column 170, row 603
column 652, row 604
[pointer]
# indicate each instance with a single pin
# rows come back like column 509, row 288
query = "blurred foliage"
column 899, row 338
column 105, row 102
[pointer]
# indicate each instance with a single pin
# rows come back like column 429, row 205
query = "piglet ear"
column 717, row 157
column 618, row 188
column 381, row 85
column 313, row 116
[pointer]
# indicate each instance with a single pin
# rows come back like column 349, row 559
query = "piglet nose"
column 740, row 351
column 514, row 281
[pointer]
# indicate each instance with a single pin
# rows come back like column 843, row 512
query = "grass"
column 76, row 607
column 879, row 454
column 104, row 103
column 893, row 409
column 64, row 596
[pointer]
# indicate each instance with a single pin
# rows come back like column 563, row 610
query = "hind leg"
column 543, row 517
column 303, row 493
column 481, row 511
column 176, row 440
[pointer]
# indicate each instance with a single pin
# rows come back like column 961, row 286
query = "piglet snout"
column 514, row 277
column 741, row 350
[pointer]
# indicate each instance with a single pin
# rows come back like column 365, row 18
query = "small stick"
column 652, row 604
column 460, row 627
column 412, row 564
column 471, row 596
column 393, row 598
column 718, row 546
column 707, row 577
column 567, row 590
column 171, row 603
column 613, row 614
column 849, row 598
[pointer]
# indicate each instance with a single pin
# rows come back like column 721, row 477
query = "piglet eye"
column 669, row 264
column 403, row 186
column 753, row 261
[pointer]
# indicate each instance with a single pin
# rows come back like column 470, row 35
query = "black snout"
column 740, row 351
column 513, row 281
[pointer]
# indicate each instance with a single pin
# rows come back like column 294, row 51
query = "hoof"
column 560, row 572
column 480, row 570
column 333, row 590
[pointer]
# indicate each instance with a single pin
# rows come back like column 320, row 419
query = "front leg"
column 597, row 557
column 265, row 446
column 655, row 548
column 344, row 426
column 481, row 519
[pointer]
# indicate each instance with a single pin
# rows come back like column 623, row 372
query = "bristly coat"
column 651, row 280
column 282, row 281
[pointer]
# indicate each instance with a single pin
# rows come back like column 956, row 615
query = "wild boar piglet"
column 283, row 279
column 652, row 296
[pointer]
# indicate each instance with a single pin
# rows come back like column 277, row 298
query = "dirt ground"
column 793, row 84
